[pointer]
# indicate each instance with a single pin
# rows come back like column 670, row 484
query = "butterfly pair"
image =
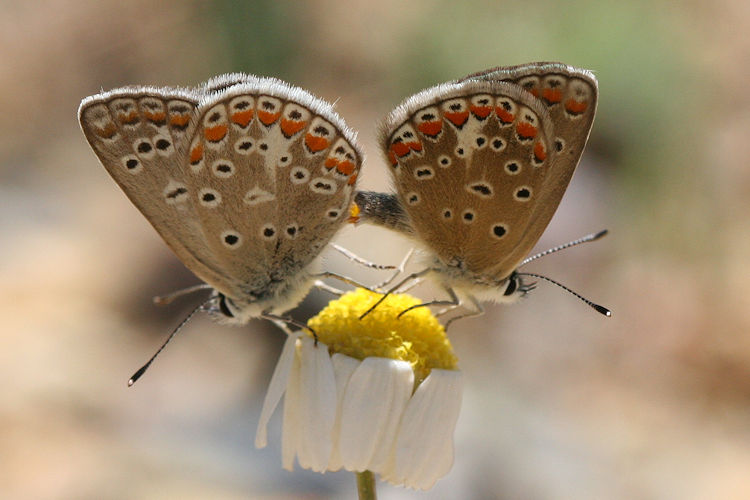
column 247, row 179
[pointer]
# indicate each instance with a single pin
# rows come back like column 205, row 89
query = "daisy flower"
column 379, row 395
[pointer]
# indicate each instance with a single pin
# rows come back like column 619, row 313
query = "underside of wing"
column 271, row 172
column 468, row 161
column 141, row 135
column 570, row 95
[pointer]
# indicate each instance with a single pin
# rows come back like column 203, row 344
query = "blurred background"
column 560, row 402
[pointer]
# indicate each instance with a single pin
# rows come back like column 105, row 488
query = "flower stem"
column 366, row 485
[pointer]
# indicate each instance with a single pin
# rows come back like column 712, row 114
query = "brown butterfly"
column 480, row 166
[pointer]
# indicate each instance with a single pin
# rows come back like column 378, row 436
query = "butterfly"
column 479, row 167
column 245, row 178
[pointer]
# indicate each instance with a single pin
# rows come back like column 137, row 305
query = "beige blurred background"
column 560, row 402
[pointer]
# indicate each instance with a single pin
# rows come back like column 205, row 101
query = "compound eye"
column 512, row 286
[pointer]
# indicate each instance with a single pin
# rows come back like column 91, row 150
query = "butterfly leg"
column 163, row 300
column 342, row 278
column 322, row 285
column 359, row 260
column 399, row 269
column 288, row 321
column 453, row 302
column 478, row 311
column 411, row 277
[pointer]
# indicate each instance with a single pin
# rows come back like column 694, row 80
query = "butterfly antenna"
column 601, row 309
column 138, row 374
column 163, row 300
column 585, row 239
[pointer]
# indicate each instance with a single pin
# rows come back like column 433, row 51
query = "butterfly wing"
column 469, row 161
column 272, row 171
column 202, row 178
column 570, row 95
column 140, row 135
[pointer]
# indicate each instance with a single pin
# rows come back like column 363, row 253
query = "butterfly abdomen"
column 382, row 209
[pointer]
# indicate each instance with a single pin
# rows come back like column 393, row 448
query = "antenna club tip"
column 603, row 310
column 601, row 234
column 131, row 382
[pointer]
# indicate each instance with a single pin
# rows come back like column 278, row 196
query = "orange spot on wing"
column 400, row 149
column 315, row 143
column 242, row 118
column 345, row 167
column 533, row 91
column 504, row 115
column 215, row 134
column 576, row 107
column 526, row 130
column 331, row 162
column 289, row 127
column 481, row 111
column 129, row 118
column 196, row 154
column 352, row 180
column 108, row 131
column 431, row 129
column 392, row 157
column 552, row 96
column 157, row 117
column 179, row 120
column 457, row 118
column 540, row 151
column 415, row 146
column 268, row 118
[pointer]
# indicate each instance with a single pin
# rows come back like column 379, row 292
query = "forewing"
column 245, row 178
column 140, row 135
column 271, row 170
column 469, row 163
column 570, row 95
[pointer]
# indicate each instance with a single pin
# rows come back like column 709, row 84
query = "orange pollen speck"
column 315, row 143
column 504, row 115
column 242, row 118
column 353, row 213
column 290, row 127
column 345, row 167
column 196, row 154
column 575, row 107
column 552, row 95
column 430, row 129
column 539, row 151
column 268, row 118
column 481, row 111
column 215, row 134
column 457, row 119
column 526, row 130
column 400, row 149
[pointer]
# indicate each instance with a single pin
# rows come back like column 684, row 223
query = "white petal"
column 317, row 406
column 375, row 397
column 424, row 446
column 290, row 428
column 343, row 368
column 276, row 389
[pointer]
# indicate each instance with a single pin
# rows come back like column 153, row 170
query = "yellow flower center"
column 416, row 337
